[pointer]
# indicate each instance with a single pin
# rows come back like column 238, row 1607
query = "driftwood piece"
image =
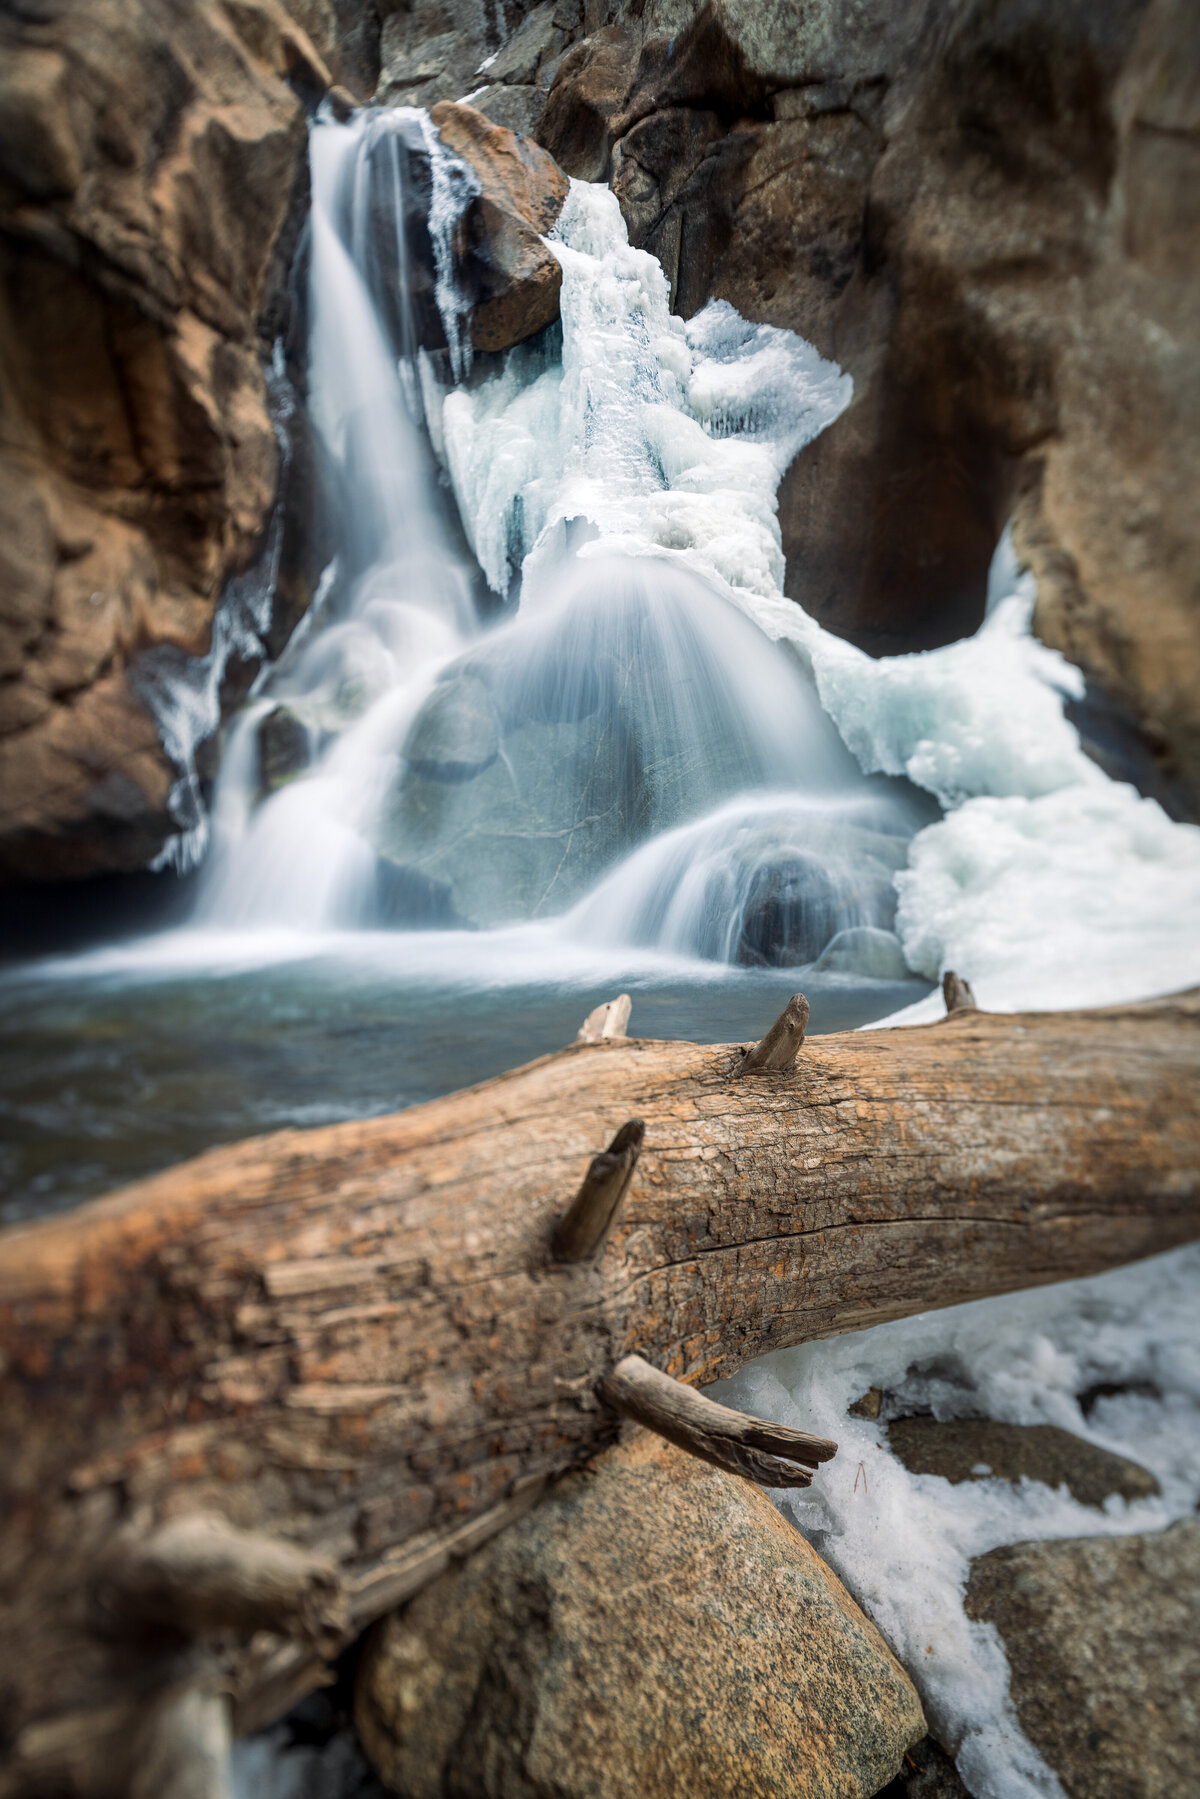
column 956, row 992
column 778, row 1050
column 610, row 1019
column 358, row 1340
column 588, row 1219
column 772, row 1455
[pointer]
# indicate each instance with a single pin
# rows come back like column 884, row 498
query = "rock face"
column 974, row 1448
column 653, row 1627
column 148, row 164
column 1105, row 1656
column 514, row 279
column 989, row 217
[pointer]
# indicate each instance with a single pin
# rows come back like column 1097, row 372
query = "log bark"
column 361, row 1342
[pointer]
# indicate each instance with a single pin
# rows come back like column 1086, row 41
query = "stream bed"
column 117, row 1063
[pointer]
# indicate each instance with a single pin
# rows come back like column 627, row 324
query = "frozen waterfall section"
column 626, row 758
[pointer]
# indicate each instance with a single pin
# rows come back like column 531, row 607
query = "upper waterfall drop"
column 399, row 598
column 668, row 437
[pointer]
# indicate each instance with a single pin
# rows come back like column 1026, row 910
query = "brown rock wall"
column 148, row 162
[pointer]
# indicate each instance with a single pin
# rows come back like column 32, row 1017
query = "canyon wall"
column 990, row 215
column 152, row 164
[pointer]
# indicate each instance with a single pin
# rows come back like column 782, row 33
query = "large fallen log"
column 295, row 1376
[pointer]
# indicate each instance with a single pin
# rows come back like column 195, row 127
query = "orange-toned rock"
column 654, row 1626
column 148, row 163
column 522, row 189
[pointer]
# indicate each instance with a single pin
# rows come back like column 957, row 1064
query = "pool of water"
column 119, row 1062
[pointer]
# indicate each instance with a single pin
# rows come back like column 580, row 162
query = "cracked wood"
column 358, row 1339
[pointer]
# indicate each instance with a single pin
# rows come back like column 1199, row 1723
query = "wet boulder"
column 655, row 1626
column 512, row 278
column 867, row 951
column 455, row 737
column 529, row 772
column 985, row 1448
column 284, row 749
column 796, row 910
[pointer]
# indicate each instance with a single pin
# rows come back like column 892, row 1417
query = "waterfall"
column 583, row 764
column 640, row 745
column 301, row 856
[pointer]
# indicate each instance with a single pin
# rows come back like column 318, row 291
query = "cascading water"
column 477, row 777
column 301, row 858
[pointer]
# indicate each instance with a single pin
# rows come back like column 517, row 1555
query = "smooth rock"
column 980, row 1448
column 864, row 950
column 1104, row 1653
column 284, row 749
column 513, row 277
column 653, row 1627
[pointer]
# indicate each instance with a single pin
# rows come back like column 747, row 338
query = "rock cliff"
column 149, row 164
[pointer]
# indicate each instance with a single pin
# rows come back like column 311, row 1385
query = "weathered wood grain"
column 772, row 1455
column 359, row 1340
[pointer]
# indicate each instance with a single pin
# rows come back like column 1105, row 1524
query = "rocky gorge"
column 988, row 220
column 313, row 1442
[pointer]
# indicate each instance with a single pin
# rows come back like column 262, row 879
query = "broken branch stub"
column 606, row 1021
column 778, row 1050
column 199, row 1574
column 772, row 1455
column 957, row 993
column 588, row 1219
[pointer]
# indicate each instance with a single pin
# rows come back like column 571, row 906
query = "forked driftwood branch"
column 253, row 1403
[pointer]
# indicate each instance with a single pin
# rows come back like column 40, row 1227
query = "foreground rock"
column 979, row 1448
column 149, row 161
column 989, row 218
column 654, row 1626
column 1105, row 1656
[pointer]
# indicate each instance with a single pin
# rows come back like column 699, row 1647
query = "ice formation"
column 1046, row 884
